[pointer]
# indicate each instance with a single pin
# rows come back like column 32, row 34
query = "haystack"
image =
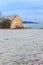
column 16, row 23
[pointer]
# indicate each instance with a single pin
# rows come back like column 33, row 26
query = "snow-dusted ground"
column 21, row 47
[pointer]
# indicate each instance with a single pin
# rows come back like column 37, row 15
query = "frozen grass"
column 21, row 47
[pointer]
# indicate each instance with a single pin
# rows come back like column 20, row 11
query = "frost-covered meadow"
column 21, row 47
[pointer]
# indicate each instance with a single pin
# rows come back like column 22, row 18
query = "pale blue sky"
column 30, row 10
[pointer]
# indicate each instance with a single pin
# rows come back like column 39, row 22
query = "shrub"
column 5, row 23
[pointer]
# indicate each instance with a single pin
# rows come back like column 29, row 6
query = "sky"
column 28, row 10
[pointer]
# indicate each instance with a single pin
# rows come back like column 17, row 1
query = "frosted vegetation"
column 21, row 47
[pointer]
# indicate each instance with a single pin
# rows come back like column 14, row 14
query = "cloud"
column 26, row 9
column 8, row 5
column 29, row 15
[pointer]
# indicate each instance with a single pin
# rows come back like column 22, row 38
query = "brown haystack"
column 16, row 23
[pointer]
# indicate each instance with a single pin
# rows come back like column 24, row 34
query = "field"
column 21, row 47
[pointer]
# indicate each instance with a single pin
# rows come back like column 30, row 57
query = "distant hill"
column 29, row 22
